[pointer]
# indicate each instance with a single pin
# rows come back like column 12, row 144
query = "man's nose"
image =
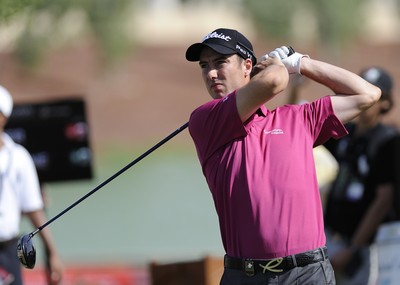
column 212, row 73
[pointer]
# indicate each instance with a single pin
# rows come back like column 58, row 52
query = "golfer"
column 259, row 163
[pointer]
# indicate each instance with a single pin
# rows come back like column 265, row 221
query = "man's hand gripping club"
column 287, row 55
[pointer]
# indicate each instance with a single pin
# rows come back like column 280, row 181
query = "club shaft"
column 177, row 131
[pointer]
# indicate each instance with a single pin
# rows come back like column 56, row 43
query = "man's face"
column 373, row 115
column 223, row 74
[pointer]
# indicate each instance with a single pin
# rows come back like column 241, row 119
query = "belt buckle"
column 272, row 265
column 249, row 267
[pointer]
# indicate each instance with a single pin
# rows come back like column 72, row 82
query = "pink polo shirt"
column 262, row 175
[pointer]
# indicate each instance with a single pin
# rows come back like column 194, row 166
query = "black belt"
column 276, row 265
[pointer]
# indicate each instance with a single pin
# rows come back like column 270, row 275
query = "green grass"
column 160, row 209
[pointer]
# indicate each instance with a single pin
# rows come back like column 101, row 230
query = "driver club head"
column 26, row 251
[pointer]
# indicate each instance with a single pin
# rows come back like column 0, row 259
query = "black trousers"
column 9, row 263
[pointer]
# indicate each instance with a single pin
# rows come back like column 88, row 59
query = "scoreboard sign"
column 56, row 134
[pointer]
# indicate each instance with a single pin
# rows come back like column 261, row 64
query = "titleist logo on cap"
column 215, row 35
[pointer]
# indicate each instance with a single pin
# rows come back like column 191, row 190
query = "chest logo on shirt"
column 274, row 132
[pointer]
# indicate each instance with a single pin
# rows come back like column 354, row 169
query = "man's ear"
column 386, row 105
column 248, row 66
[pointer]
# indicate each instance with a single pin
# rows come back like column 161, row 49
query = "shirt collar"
column 262, row 111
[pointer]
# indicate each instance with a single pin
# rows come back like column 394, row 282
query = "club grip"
column 291, row 50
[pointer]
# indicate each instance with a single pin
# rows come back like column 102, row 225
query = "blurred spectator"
column 363, row 195
column 19, row 193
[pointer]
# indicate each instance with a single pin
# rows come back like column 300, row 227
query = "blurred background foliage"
column 331, row 24
column 44, row 23
column 336, row 22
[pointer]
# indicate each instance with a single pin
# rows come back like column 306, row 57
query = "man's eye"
column 219, row 64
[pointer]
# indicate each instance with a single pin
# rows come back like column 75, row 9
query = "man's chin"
column 217, row 94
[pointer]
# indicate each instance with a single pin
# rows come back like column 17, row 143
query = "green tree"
column 43, row 21
column 11, row 7
column 337, row 22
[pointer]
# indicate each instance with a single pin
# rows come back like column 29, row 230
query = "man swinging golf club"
column 259, row 164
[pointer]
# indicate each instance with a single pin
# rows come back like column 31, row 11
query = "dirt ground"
column 151, row 92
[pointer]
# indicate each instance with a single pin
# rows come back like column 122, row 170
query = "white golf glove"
column 292, row 62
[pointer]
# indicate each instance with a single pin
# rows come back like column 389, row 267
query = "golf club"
column 26, row 251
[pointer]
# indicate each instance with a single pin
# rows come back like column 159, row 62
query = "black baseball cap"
column 382, row 79
column 223, row 41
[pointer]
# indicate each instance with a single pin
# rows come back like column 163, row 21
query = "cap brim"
column 193, row 52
